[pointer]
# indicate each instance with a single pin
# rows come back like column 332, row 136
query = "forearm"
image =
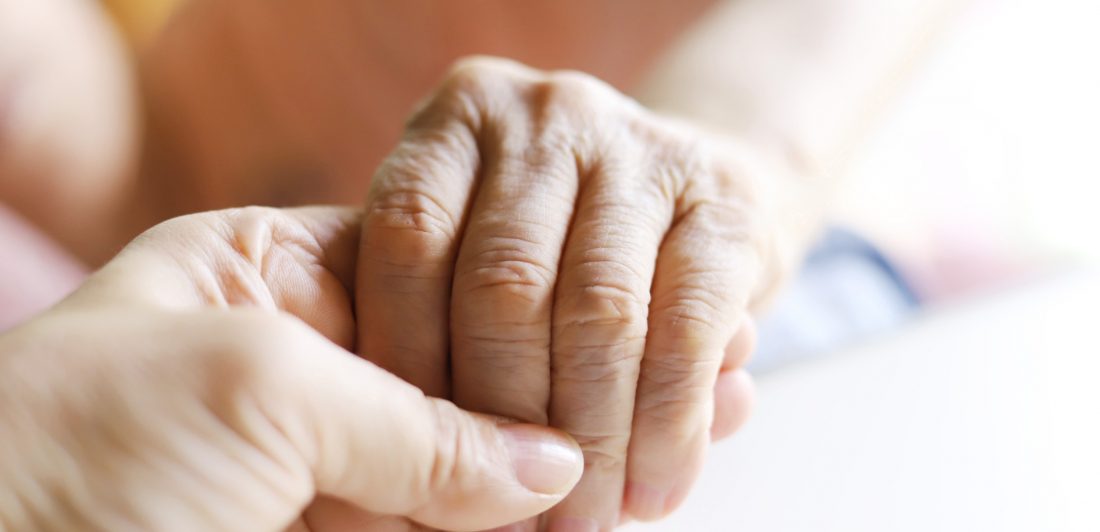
column 67, row 122
column 811, row 74
column 800, row 81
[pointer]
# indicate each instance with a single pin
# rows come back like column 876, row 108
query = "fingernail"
column 573, row 524
column 544, row 462
column 645, row 502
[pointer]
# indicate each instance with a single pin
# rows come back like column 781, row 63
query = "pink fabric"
column 34, row 272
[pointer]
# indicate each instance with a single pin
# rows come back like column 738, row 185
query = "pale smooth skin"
column 202, row 381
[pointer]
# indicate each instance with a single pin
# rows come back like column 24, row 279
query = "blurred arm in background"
column 802, row 80
column 68, row 123
column 67, row 145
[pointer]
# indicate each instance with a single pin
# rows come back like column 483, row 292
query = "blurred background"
column 982, row 175
column 991, row 149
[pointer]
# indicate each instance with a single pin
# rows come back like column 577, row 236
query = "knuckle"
column 571, row 86
column 408, row 227
column 615, row 303
column 690, row 323
column 464, row 94
column 740, row 172
column 601, row 336
column 574, row 95
column 470, row 75
column 679, row 392
column 597, row 372
column 485, row 352
column 678, row 403
column 678, row 373
column 604, row 452
column 680, row 161
column 479, row 80
column 726, row 203
column 509, row 268
column 410, row 209
column 438, row 147
column 732, row 221
column 474, row 69
column 676, row 417
column 519, row 347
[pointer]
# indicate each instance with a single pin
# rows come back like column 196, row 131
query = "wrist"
column 789, row 198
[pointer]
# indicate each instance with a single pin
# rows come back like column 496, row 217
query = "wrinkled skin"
column 585, row 264
column 182, row 388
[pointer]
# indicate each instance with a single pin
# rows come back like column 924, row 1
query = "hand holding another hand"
column 202, row 381
column 538, row 247
column 542, row 248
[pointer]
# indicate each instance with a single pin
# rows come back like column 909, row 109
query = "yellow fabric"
column 140, row 20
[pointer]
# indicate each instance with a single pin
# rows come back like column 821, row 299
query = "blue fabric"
column 847, row 290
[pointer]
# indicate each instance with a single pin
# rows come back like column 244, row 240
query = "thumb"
column 380, row 444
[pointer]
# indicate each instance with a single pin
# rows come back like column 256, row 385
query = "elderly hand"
column 202, row 381
column 585, row 264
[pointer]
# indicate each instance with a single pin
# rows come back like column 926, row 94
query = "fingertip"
column 650, row 502
column 644, row 502
column 595, row 503
column 661, row 473
column 501, row 475
column 734, row 397
column 546, row 461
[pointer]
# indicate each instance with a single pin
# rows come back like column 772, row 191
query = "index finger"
column 409, row 241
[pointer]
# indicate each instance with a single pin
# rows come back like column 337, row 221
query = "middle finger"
column 600, row 324
column 508, row 264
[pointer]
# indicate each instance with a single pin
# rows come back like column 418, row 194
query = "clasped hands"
column 538, row 249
